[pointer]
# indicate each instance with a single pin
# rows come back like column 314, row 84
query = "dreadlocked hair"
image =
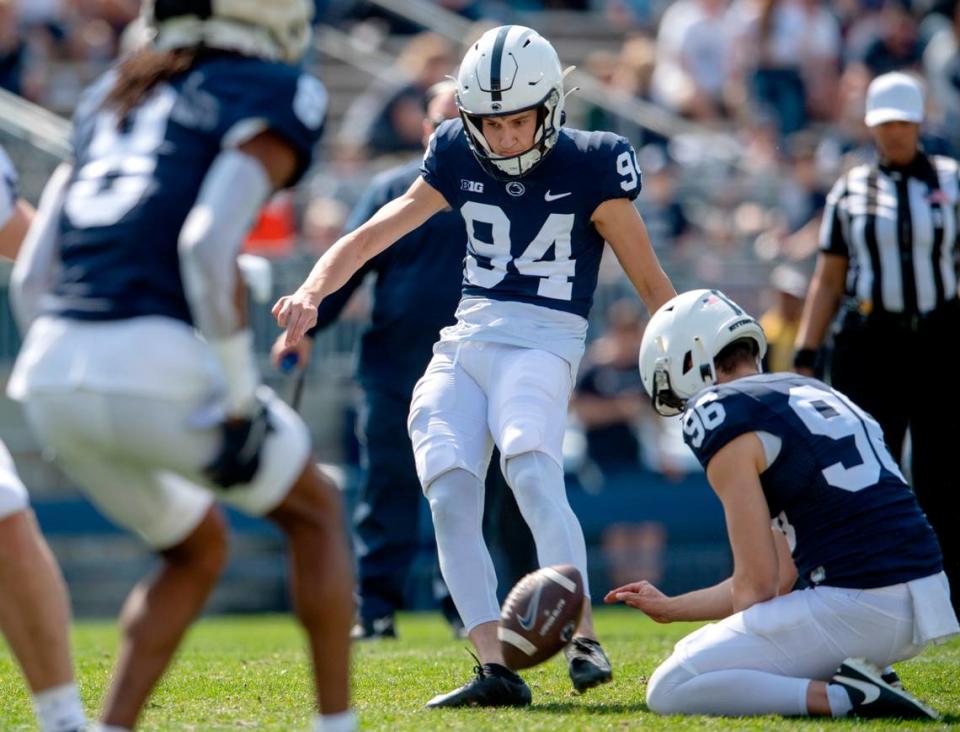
column 142, row 71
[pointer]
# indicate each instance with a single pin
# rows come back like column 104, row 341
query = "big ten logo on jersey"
column 471, row 186
column 488, row 230
column 828, row 414
column 707, row 414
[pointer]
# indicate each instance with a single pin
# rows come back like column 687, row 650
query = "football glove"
column 242, row 441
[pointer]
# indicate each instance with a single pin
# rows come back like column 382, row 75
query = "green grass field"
column 250, row 673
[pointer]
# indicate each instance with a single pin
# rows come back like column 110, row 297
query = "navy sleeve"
column 432, row 169
column 717, row 417
column 616, row 170
column 279, row 98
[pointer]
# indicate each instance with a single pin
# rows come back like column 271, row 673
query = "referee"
column 888, row 264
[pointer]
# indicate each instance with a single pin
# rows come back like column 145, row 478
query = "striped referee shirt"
column 898, row 229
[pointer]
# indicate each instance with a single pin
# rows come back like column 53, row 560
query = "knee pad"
column 449, row 499
column 522, row 434
column 663, row 683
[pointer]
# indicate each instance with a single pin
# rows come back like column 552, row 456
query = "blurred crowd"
column 780, row 82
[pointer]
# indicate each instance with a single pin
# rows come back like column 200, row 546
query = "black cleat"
column 587, row 663
column 873, row 697
column 891, row 677
column 376, row 629
column 493, row 686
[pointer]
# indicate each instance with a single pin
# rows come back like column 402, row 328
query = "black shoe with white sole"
column 891, row 677
column 587, row 663
column 493, row 686
column 871, row 696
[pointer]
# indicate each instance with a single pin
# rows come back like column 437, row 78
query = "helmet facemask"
column 549, row 119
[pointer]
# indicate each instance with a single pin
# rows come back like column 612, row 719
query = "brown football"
column 540, row 615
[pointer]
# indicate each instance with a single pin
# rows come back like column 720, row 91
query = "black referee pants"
column 905, row 375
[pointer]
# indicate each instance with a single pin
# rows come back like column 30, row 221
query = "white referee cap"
column 894, row 97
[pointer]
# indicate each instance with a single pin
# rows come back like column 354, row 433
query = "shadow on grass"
column 581, row 708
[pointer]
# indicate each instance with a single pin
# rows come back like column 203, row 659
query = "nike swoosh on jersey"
column 529, row 618
column 870, row 691
column 553, row 197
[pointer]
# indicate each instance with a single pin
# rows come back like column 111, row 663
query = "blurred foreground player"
column 34, row 608
column 788, row 448
column 136, row 243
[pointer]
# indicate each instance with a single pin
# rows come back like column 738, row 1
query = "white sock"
column 537, row 483
column 839, row 700
column 456, row 503
column 342, row 722
column 108, row 728
column 59, row 709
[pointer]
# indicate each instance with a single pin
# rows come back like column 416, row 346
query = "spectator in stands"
column 768, row 54
column 941, row 61
column 788, row 287
column 13, row 50
column 323, row 223
column 663, row 211
column 897, row 47
column 693, row 58
column 821, row 45
column 609, row 399
column 387, row 118
column 627, row 75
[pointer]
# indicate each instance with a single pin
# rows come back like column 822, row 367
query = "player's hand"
column 643, row 596
column 297, row 313
column 299, row 354
column 242, row 440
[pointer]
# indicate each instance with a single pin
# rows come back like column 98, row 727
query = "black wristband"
column 805, row 358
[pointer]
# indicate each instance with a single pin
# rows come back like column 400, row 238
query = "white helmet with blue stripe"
column 682, row 340
column 511, row 69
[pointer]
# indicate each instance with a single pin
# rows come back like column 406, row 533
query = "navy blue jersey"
column 416, row 291
column 134, row 183
column 838, row 493
column 531, row 239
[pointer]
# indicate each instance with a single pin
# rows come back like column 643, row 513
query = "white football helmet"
column 277, row 30
column 683, row 338
column 511, row 69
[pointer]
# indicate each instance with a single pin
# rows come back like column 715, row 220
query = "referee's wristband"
column 805, row 358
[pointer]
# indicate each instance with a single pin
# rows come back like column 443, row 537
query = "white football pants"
column 470, row 397
column 761, row 660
